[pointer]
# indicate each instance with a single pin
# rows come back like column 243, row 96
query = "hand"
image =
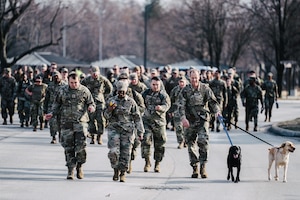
column 91, row 109
column 48, row 116
column 158, row 108
column 141, row 138
column 111, row 106
column 185, row 123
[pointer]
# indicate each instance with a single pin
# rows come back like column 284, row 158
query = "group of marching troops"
column 135, row 107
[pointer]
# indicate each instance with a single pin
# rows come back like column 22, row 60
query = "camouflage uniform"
column 37, row 104
column 174, row 96
column 51, row 93
column 8, row 94
column 271, row 91
column 100, row 88
column 71, row 105
column 122, row 121
column 194, row 105
column 23, row 101
column 250, row 96
column 232, row 94
column 219, row 89
column 155, row 124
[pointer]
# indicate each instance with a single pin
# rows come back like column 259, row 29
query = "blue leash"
column 222, row 122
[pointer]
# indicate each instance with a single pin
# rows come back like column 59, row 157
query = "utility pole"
column 100, row 30
column 146, row 16
column 64, row 32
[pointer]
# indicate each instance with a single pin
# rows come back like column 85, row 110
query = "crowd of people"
column 134, row 107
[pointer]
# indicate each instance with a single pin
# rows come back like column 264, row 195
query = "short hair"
column 155, row 78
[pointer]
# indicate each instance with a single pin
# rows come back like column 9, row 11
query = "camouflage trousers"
column 155, row 134
column 197, row 138
column 73, row 140
column 269, row 102
column 179, row 129
column 97, row 122
column 251, row 112
column 119, row 145
column 37, row 113
column 54, row 126
column 7, row 105
column 135, row 145
column 23, row 110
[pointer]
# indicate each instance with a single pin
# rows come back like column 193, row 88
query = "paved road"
column 31, row 168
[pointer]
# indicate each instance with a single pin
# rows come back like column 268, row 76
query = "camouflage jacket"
column 8, row 87
column 126, row 115
column 271, row 89
column 196, row 103
column 72, row 104
column 51, row 93
column 140, row 87
column 38, row 92
column 251, row 94
column 220, row 90
column 100, row 87
column 174, row 96
column 153, row 99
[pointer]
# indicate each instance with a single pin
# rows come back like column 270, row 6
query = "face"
column 194, row 79
column 95, row 75
column 74, row 83
column 38, row 82
column 121, row 94
column 155, row 85
column 134, row 81
column 182, row 84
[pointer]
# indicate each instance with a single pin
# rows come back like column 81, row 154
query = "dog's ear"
column 283, row 145
column 239, row 148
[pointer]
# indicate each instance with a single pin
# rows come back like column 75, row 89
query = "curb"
column 283, row 132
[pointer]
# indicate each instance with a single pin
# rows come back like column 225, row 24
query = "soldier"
column 237, row 83
column 99, row 86
column 123, row 116
column 271, row 95
column 51, row 92
column 8, row 94
column 232, row 95
column 174, row 112
column 37, row 93
column 136, row 84
column 195, row 99
column 72, row 104
column 218, row 86
column 137, row 97
column 157, row 103
column 23, row 100
column 250, row 96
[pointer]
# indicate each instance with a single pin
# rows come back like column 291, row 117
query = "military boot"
column 11, row 119
column 195, row 172
column 147, row 165
column 99, row 139
column 247, row 127
column 156, row 167
column 255, row 128
column 203, row 171
column 122, row 176
column 180, row 146
column 92, row 139
column 4, row 122
column 116, row 175
column 79, row 171
column 34, row 128
column 70, row 175
column 53, row 141
column 129, row 167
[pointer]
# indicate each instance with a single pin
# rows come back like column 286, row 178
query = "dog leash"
column 224, row 127
column 250, row 133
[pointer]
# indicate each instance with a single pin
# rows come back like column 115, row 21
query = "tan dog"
column 281, row 156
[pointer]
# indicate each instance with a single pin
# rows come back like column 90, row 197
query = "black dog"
column 234, row 159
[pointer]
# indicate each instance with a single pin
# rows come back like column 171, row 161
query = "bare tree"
column 11, row 20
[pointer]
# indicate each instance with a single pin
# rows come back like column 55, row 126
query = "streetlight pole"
column 100, row 30
column 146, row 16
column 64, row 33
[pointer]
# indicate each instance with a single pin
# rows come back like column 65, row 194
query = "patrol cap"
column 230, row 71
column 182, row 78
column 56, row 73
column 153, row 71
column 29, row 70
column 64, row 69
column 7, row 70
column 133, row 76
column 95, row 68
column 82, row 75
column 123, row 76
column 270, row 74
column 38, row 79
column 175, row 70
column 122, row 85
